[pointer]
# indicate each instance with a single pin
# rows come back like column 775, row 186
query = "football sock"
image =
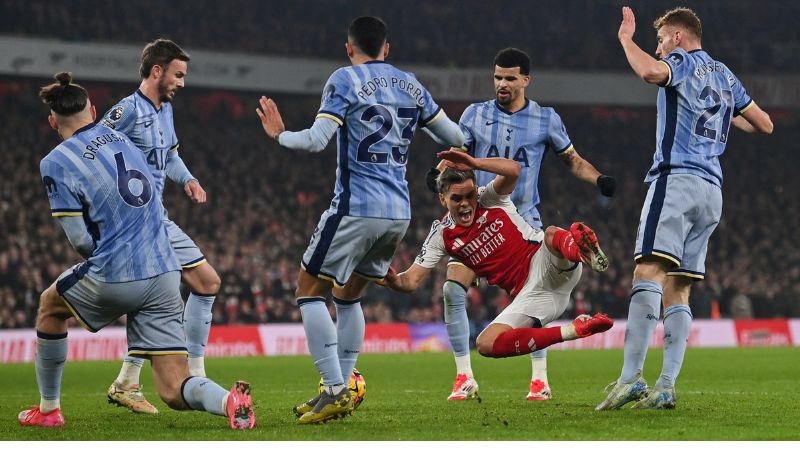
column 202, row 394
column 455, row 318
column 129, row 373
column 539, row 365
column 464, row 365
column 335, row 389
column 197, row 326
column 350, row 325
column 321, row 336
column 521, row 341
column 51, row 354
column 677, row 323
column 565, row 244
column 643, row 313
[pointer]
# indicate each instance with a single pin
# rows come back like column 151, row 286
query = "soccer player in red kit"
column 538, row 269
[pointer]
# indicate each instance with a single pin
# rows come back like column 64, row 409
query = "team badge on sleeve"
column 116, row 114
column 675, row 58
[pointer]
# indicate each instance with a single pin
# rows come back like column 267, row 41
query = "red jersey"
column 498, row 245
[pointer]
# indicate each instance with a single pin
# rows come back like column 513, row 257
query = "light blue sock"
column 455, row 316
column 197, row 323
column 202, row 394
column 643, row 314
column 321, row 336
column 677, row 323
column 51, row 354
column 350, row 326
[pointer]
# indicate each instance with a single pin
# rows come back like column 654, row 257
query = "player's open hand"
column 195, row 192
column 628, row 25
column 457, row 159
column 270, row 117
column 389, row 280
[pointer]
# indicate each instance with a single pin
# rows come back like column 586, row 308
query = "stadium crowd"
column 574, row 35
column 264, row 202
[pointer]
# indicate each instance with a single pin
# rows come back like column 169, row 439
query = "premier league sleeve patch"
column 116, row 114
column 675, row 58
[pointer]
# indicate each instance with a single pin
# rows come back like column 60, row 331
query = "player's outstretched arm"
column 407, row 281
column 444, row 131
column 312, row 139
column 507, row 170
column 585, row 171
column 646, row 67
column 754, row 120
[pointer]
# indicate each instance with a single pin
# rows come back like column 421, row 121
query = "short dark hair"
column 160, row 53
column 451, row 176
column 64, row 97
column 368, row 34
column 681, row 17
column 513, row 57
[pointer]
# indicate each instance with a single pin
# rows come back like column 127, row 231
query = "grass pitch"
column 723, row 394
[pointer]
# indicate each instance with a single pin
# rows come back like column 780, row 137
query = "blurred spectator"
column 574, row 35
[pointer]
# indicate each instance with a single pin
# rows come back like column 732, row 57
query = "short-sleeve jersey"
column 378, row 108
column 151, row 130
column 524, row 136
column 695, row 108
column 498, row 245
column 99, row 175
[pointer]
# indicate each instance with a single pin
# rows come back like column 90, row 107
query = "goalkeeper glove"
column 607, row 185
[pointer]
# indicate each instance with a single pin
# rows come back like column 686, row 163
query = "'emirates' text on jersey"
column 524, row 136
column 150, row 129
column 377, row 107
column 497, row 246
column 99, row 175
column 695, row 108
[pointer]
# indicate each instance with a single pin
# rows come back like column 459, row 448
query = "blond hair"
column 681, row 17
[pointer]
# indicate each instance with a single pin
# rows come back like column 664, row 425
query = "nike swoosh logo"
column 147, row 124
column 207, row 323
column 489, row 122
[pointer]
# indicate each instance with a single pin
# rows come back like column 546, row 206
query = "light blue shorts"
column 342, row 245
column 189, row 255
column 679, row 215
column 153, row 306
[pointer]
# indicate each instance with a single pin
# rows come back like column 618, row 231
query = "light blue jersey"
column 98, row 175
column 695, row 108
column 378, row 108
column 524, row 136
column 151, row 130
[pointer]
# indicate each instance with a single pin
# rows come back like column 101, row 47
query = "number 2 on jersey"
column 124, row 177
column 399, row 153
column 711, row 112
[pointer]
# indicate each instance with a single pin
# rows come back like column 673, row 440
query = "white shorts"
column 546, row 293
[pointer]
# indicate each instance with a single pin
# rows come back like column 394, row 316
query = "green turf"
column 731, row 394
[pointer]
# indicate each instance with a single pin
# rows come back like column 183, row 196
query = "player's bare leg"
column 454, row 290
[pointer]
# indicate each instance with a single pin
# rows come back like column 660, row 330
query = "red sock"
column 518, row 341
column 565, row 243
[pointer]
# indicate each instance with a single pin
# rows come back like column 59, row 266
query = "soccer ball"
column 357, row 386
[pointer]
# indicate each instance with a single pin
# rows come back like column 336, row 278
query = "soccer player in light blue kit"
column 376, row 109
column 698, row 100
column 513, row 127
column 146, row 118
column 105, row 200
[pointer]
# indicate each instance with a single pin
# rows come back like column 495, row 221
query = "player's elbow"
column 767, row 126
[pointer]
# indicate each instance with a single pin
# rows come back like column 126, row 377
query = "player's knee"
column 455, row 294
column 485, row 346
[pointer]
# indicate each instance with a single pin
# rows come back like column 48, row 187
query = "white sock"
column 197, row 367
column 46, row 405
column 225, row 402
column 129, row 373
column 539, row 369
column 335, row 389
column 568, row 332
column 463, row 365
